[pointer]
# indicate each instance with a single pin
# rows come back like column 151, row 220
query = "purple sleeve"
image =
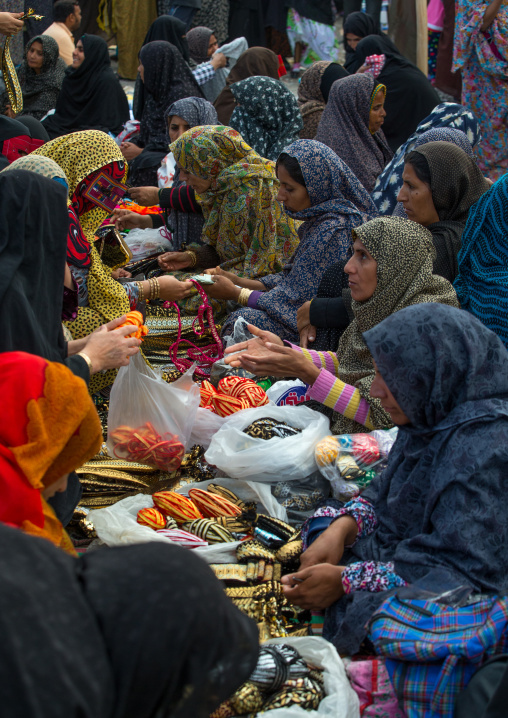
column 253, row 298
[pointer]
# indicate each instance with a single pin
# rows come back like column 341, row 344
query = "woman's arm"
column 491, row 14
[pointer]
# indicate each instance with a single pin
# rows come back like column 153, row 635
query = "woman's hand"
column 329, row 547
column 303, row 316
column 316, row 588
column 174, row 261
column 130, row 151
column 125, row 219
column 120, row 272
column 218, row 60
column 362, row 69
column 145, row 196
column 222, row 288
column 256, row 346
column 10, row 23
column 171, row 290
column 110, row 348
column 307, row 336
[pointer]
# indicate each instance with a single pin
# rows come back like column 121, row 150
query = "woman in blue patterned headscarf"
column 334, row 204
column 437, row 516
column 482, row 282
column 446, row 115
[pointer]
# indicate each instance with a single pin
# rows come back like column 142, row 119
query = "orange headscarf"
column 48, row 428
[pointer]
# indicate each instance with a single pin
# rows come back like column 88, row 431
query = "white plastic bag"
column 146, row 242
column 139, row 395
column 244, row 457
column 117, row 526
column 130, row 129
column 166, row 172
column 341, row 701
column 288, row 393
column 205, row 427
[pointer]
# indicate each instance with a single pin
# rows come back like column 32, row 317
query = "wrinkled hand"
column 269, row 359
column 145, row 196
column 110, row 348
column 171, row 290
column 174, row 261
column 10, row 23
column 120, row 272
column 303, row 316
column 222, row 288
column 256, row 347
column 329, row 547
column 130, row 151
column 125, row 219
column 320, row 587
column 218, row 60
column 307, row 336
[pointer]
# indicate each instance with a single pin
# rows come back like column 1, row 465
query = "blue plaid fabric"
column 432, row 650
column 204, row 72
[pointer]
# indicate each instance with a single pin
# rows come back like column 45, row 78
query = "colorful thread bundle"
column 233, row 394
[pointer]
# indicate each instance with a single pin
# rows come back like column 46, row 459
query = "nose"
column 349, row 268
column 402, row 196
column 383, row 112
column 376, row 390
column 281, row 195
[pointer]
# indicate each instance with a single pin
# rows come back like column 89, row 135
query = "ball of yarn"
column 177, row 506
column 228, row 384
column 226, row 405
column 327, row 451
column 207, row 390
column 365, row 449
column 151, row 518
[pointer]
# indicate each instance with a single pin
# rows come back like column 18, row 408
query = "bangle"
column 155, row 288
column 243, row 297
column 88, row 361
column 141, row 292
column 193, row 257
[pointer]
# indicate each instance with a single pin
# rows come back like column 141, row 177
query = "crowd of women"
column 360, row 231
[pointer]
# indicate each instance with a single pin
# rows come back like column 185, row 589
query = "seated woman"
column 446, row 116
column 266, row 115
column 391, row 268
column 184, row 217
column 246, row 230
column 482, row 280
column 316, row 187
column 429, row 519
column 313, row 90
column 357, row 26
column 84, row 157
column 166, row 78
column 440, row 198
column 351, row 125
column 91, row 96
column 40, row 77
column 254, row 61
column 409, row 95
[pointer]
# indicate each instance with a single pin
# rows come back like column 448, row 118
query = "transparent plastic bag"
column 351, row 461
column 143, row 407
column 220, row 369
column 147, row 242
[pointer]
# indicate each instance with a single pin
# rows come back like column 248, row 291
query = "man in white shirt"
column 67, row 19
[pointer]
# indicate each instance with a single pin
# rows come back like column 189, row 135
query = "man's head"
column 67, row 12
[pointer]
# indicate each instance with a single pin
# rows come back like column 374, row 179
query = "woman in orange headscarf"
column 48, row 428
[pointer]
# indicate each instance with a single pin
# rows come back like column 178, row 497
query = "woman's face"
column 78, row 55
column 293, row 195
column 57, row 487
column 212, row 45
column 35, row 56
column 379, row 390
column 141, row 70
column 198, row 184
column 176, row 127
column 352, row 40
column 416, row 198
column 362, row 271
column 378, row 112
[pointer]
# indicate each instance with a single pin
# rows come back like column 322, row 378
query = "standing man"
column 67, row 19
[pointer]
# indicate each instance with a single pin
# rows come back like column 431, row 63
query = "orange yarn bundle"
column 136, row 319
column 234, row 394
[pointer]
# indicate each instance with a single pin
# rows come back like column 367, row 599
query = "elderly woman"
column 391, row 268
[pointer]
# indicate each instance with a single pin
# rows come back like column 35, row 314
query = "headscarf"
column 15, row 140
column 37, row 129
column 51, row 429
column 447, row 115
column 311, row 98
column 43, row 166
column 469, row 40
column 167, row 79
column 40, row 91
column 168, row 29
column 482, row 282
column 409, row 95
column 188, row 226
column 243, row 221
column 91, row 96
column 81, row 155
column 266, row 115
column 199, row 40
column 404, row 253
column 333, row 72
column 344, row 127
column 362, row 25
column 339, row 203
column 441, row 502
column 254, row 61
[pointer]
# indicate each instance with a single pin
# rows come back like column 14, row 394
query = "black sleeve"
column 183, row 199
column 157, row 220
column 78, row 367
column 329, row 313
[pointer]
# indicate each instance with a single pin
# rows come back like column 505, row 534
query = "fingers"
column 114, row 323
column 254, row 330
column 240, row 347
column 125, row 331
column 303, row 340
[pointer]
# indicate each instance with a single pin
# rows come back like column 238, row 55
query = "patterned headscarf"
column 51, row 429
column 310, row 98
column 447, row 115
column 194, row 110
column 404, row 253
column 243, row 220
column 199, row 39
column 266, row 115
column 344, row 127
column 482, row 282
column 40, row 91
column 42, row 166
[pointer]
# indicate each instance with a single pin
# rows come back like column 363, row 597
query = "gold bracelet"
column 141, row 292
column 157, row 288
column 88, row 361
column 193, row 256
column 243, row 297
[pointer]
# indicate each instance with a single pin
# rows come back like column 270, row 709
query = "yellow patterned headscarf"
column 248, row 227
